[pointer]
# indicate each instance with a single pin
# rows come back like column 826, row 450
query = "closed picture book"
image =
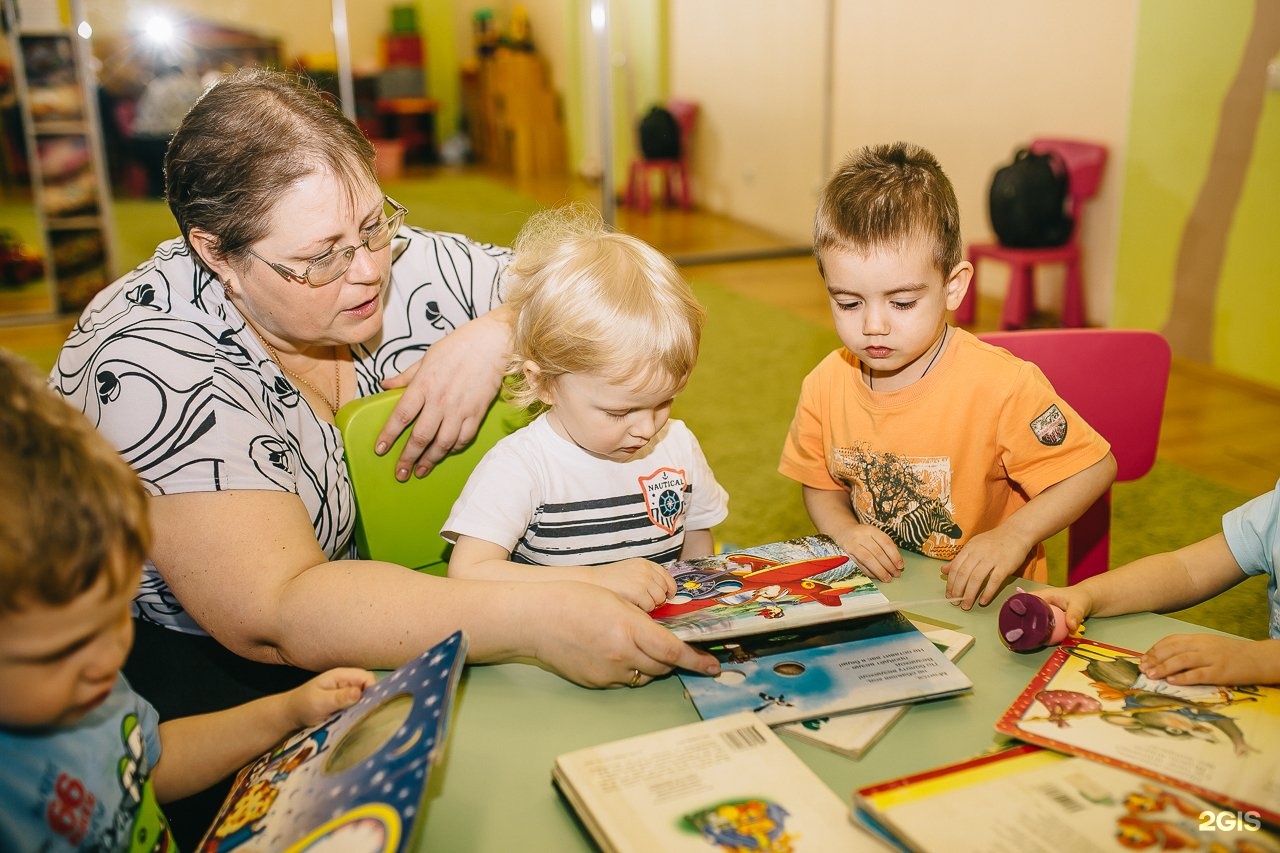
column 854, row 733
column 1219, row 743
column 723, row 784
column 355, row 782
column 823, row 670
column 768, row 588
column 1032, row 800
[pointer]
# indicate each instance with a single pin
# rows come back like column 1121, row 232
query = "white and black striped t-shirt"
column 550, row 503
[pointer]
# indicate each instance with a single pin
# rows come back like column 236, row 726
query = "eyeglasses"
column 330, row 266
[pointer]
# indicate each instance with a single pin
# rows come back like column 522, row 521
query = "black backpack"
column 1028, row 201
column 660, row 135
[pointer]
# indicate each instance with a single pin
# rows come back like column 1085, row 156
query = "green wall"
column 1188, row 54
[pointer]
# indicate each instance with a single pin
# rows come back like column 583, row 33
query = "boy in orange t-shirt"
column 916, row 434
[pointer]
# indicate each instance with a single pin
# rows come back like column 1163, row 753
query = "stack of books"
column 801, row 635
column 806, row 643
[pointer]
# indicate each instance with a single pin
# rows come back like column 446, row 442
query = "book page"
column 1029, row 800
column 1221, row 743
column 853, row 734
column 728, row 781
column 824, row 669
column 768, row 588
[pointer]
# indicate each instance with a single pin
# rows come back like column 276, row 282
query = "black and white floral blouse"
column 166, row 368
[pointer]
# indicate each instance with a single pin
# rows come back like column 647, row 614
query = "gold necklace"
column 337, row 374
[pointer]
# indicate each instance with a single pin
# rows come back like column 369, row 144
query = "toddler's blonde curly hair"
column 590, row 300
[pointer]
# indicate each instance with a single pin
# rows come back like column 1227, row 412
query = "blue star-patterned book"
column 357, row 780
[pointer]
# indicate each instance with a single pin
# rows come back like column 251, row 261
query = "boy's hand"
column 642, row 582
column 326, row 694
column 872, row 549
column 1075, row 603
column 1206, row 659
column 982, row 565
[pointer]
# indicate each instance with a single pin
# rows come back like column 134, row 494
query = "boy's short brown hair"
column 71, row 509
column 884, row 195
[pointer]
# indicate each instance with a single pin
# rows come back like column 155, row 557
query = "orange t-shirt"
column 950, row 456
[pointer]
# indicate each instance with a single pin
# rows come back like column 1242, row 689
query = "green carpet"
column 742, row 396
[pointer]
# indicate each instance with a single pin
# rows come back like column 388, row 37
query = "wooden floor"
column 1224, row 429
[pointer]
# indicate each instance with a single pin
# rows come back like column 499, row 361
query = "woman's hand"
column 447, row 392
column 592, row 637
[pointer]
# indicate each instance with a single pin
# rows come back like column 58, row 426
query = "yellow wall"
column 1187, row 59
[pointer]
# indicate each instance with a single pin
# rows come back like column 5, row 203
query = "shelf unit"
column 65, row 157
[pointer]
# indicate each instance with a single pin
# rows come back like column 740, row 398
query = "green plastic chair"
column 400, row 522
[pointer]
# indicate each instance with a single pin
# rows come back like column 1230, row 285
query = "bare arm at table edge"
column 246, row 566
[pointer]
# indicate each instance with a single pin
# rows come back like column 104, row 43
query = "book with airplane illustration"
column 1220, row 743
column 768, row 588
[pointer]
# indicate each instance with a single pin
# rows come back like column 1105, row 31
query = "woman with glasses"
column 216, row 368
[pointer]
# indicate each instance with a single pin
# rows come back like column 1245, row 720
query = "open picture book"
column 854, row 733
column 1219, row 743
column 723, row 784
column 356, row 782
column 766, row 589
column 1031, row 800
column 800, row 633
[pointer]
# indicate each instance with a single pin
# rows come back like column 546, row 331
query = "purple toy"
column 1028, row 622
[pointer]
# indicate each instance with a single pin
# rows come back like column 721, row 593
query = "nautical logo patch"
column 664, row 497
column 1051, row 427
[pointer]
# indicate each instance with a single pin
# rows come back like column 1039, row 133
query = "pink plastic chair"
column 637, row 196
column 1116, row 380
column 1085, row 162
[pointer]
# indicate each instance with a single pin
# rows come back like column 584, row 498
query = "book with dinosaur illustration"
column 357, row 781
column 768, row 588
column 1026, row 799
column 824, row 670
column 854, row 733
column 1219, row 743
column 724, row 784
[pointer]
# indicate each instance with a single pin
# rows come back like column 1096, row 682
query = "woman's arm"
column 250, row 572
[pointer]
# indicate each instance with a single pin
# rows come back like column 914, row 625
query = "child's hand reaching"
column 642, row 582
column 873, row 550
column 982, row 565
column 326, row 694
column 1210, row 659
column 1074, row 601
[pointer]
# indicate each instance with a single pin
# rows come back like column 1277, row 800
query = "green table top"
column 492, row 790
